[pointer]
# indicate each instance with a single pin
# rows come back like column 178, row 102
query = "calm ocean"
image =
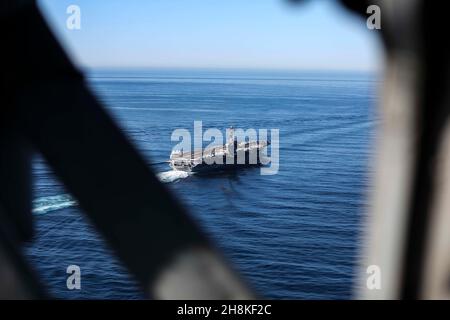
column 292, row 235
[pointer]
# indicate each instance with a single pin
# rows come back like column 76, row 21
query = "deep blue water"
column 292, row 235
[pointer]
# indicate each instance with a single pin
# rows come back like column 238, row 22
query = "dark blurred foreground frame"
column 408, row 225
column 408, row 234
column 45, row 104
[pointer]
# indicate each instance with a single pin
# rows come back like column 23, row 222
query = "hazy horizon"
column 226, row 69
column 268, row 36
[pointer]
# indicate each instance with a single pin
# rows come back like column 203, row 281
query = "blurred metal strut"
column 46, row 105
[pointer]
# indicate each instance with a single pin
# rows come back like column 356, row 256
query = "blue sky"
column 249, row 34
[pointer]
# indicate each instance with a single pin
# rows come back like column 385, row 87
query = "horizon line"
column 192, row 68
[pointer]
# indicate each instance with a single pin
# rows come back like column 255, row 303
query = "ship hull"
column 214, row 167
column 218, row 159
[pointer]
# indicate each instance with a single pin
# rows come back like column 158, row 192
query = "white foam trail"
column 51, row 203
column 172, row 175
column 61, row 201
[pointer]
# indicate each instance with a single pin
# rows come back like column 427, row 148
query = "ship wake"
column 172, row 176
column 61, row 201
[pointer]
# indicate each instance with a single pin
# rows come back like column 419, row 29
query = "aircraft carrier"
column 232, row 155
